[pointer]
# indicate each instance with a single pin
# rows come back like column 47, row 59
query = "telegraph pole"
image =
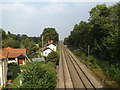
column 42, row 44
column 42, row 41
column 88, row 50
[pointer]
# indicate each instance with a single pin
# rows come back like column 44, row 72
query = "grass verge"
column 109, row 73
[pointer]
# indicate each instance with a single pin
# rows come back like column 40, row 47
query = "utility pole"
column 88, row 50
column 42, row 41
column 42, row 44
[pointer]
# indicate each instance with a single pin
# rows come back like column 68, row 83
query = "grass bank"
column 108, row 72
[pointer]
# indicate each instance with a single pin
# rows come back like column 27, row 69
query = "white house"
column 3, row 68
column 46, row 51
column 51, row 46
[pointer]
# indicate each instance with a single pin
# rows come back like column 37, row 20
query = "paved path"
column 74, row 74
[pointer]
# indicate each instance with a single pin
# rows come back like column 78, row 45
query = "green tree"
column 101, row 32
column 31, row 47
column 53, row 57
column 49, row 34
column 39, row 75
column 2, row 34
column 35, row 39
column 7, row 42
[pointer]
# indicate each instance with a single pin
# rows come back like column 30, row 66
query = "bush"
column 77, row 52
column 112, row 70
column 27, row 65
column 53, row 57
column 83, row 56
column 39, row 75
column 92, row 61
column 51, row 64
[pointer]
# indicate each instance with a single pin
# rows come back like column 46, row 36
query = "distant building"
column 46, row 51
column 48, row 48
column 51, row 46
column 3, row 67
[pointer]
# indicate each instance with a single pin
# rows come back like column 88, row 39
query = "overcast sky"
column 32, row 17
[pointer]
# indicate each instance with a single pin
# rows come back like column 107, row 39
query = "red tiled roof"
column 8, row 48
column 12, row 53
column 3, row 54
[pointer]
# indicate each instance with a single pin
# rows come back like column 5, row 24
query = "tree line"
column 101, row 32
column 32, row 44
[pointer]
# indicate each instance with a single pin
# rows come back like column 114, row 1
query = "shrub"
column 53, row 57
column 27, row 65
column 83, row 56
column 39, row 75
column 51, row 64
column 77, row 52
column 91, row 59
column 110, row 69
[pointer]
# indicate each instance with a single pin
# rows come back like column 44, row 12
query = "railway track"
column 73, row 74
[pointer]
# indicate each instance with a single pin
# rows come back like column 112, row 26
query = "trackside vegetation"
column 53, row 57
column 101, row 67
column 102, row 33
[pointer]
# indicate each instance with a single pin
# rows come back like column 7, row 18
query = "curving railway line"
column 74, row 74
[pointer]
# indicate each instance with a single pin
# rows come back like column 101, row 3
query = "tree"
column 7, row 42
column 20, row 41
column 35, row 39
column 31, row 47
column 79, row 36
column 39, row 75
column 24, row 36
column 15, row 44
column 101, row 32
column 49, row 34
column 3, row 35
column 53, row 57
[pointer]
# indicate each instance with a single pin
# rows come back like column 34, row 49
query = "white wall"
column 3, row 72
column 53, row 47
column 46, row 52
column 13, row 61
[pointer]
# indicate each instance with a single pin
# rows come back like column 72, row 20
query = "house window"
column 11, row 59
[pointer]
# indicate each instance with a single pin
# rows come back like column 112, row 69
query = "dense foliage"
column 49, row 34
column 19, row 41
column 102, row 34
column 53, row 57
column 110, row 69
column 32, row 44
column 39, row 75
